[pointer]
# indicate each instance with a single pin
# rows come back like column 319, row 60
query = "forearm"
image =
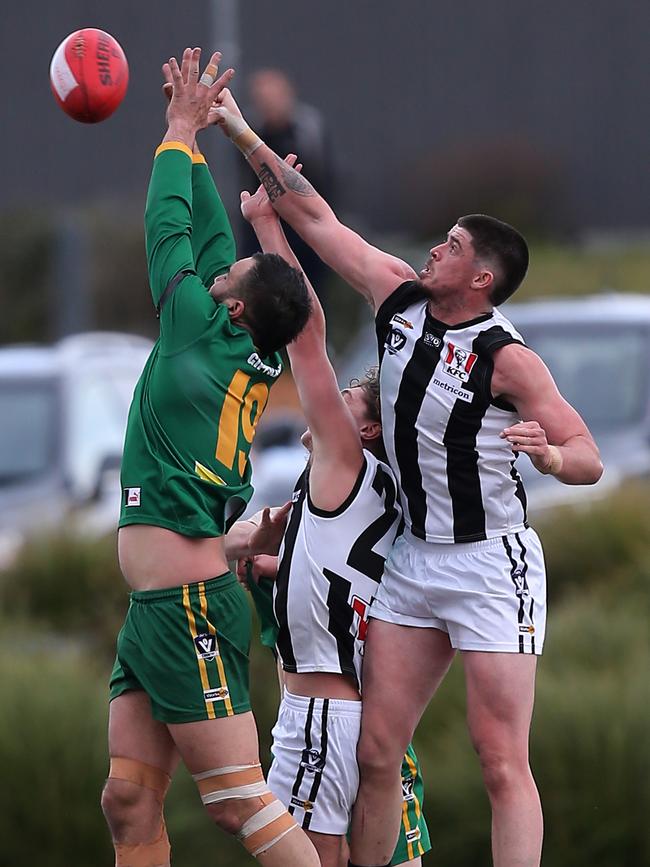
column 213, row 242
column 575, row 462
column 238, row 540
column 168, row 216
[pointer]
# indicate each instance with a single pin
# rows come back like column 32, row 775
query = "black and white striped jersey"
column 329, row 569
column 441, row 425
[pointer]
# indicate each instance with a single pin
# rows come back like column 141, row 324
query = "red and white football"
column 89, row 75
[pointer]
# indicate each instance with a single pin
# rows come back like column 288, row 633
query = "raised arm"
column 551, row 432
column 372, row 272
column 337, row 454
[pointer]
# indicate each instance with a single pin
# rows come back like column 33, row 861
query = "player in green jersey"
column 179, row 689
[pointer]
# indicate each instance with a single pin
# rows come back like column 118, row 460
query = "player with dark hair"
column 343, row 521
column 179, row 688
column 461, row 397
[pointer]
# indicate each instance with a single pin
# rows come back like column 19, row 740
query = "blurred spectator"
column 289, row 126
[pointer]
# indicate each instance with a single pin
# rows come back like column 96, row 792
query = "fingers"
column 221, row 82
column 186, row 63
column 211, row 70
column 194, row 62
column 244, row 196
column 177, row 78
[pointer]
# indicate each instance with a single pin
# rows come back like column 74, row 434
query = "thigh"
column 216, row 743
column 332, row 848
column 500, row 698
column 133, row 733
column 402, row 668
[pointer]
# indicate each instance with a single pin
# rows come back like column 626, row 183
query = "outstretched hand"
column 258, row 206
column 191, row 96
column 267, row 536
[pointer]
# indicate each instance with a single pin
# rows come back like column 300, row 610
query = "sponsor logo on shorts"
column 307, row 806
column 395, row 341
column 206, row 646
column 467, row 396
column 219, row 694
column 312, row 761
column 413, row 835
column 459, row 362
column 431, row 339
column 529, row 630
column 399, row 320
column 132, row 496
column 407, row 789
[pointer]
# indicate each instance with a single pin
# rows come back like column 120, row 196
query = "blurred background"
column 406, row 116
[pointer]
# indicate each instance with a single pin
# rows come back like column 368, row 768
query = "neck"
column 453, row 313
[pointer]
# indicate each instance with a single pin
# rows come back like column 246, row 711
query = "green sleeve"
column 168, row 219
column 188, row 311
column 213, row 242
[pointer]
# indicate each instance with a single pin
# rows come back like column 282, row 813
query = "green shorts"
column 187, row 648
column 414, row 835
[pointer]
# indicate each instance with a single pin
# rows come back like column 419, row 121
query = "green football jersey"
column 197, row 403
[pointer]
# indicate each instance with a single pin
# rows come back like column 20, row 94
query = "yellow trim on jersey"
column 207, row 475
column 418, row 809
column 173, row 146
column 187, row 605
column 199, row 159
column 223, row 682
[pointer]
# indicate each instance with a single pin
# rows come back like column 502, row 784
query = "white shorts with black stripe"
column 314, row 770
column 488, row 595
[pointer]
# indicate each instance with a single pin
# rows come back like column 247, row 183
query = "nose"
column 434, row 252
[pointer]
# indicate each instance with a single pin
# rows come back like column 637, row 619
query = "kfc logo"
column 459, row 362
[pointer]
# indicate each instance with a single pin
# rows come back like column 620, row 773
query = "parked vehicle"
column 63, row 409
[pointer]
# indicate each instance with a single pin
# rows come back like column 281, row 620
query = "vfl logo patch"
column 132, row 496
column 312, row 761
column 459, row 362
column 219, row 694
column 395, row 341
column 206, row 646
column 520, row 584
column 407, row 789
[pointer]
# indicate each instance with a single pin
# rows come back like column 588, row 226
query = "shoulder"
column 408, row 292
column 517, row 368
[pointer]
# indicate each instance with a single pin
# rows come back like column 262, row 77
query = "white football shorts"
column 488, row 596
column 314, row 771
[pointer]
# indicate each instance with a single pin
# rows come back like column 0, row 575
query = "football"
column 89, row 75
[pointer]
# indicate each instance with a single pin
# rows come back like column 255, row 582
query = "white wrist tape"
column 239, row 131
column 555, row 463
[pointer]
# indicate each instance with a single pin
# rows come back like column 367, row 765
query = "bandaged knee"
column 267, row 825
column 235, row 781
column 156, row 853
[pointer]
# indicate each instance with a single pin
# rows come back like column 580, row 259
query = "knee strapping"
column 268, row 824
column 266, row 827
column 236, row 781
column 157, row 853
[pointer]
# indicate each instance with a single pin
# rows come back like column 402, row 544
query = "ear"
column 370, row 430
column 483, row 280
column 235, row 307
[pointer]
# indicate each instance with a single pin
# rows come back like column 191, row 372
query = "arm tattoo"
column 272, row 185
column 294, row 181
